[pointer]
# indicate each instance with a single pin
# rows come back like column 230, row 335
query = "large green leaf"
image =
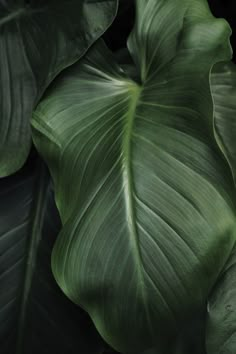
column 35, row 316
column 37, row 41
column 223, row 82
column 221, row 320
column 145, row 195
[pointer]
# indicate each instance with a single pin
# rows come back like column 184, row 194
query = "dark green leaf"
column 223, row 85
column 221, row 321
column 37, row 41
column 35, row 316
column 144, row 192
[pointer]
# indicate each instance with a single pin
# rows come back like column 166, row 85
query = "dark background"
column 227, row 10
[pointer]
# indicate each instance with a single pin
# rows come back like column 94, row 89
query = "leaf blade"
column 128, row 152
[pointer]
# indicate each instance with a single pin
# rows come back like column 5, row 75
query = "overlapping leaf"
column 145, row 195
column 223, row 82
column 37, row 41
column 35, row 317
column 221, row 319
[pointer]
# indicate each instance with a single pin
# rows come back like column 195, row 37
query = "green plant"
column 141, row 152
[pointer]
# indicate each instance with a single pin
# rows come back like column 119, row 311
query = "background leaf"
column 38, row 39
column 223, row 86
column 35, row 316
column 221, row 319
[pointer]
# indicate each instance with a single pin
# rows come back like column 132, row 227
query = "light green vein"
column 135, row 92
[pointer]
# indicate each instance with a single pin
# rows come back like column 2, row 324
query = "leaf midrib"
column 135, row 92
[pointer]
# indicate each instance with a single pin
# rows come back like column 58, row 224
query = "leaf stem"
column 35, row 232
column 12, row 16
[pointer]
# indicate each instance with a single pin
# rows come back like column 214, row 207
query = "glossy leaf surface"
column 37, row 41
column 145, row 195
